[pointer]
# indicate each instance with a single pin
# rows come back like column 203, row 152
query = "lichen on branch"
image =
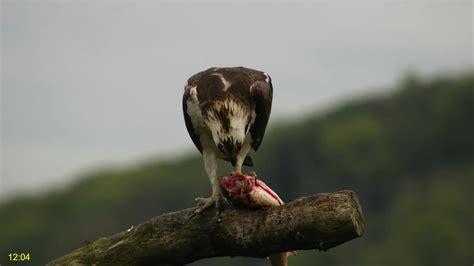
column 321, row 221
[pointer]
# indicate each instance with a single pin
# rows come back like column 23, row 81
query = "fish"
column 245, row 190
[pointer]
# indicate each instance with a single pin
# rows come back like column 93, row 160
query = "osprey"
column 226, row 111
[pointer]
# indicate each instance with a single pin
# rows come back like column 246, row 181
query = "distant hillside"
column 408, row 155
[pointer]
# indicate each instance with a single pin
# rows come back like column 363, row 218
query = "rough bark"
column 321, row 221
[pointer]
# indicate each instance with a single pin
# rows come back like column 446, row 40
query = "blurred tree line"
column 409, row 156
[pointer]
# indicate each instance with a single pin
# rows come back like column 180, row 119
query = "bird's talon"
column 252, row 174
column 200, row 201
column 204, row 203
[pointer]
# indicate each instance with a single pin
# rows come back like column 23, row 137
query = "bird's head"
column 229, row 146
column 228, row 138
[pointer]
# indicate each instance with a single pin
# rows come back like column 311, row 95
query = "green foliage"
column 430, row 225
column 408, row 155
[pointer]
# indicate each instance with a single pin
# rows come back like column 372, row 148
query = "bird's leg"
column 210, row 164
column 237, row 168
column 214, row 199
column 240, row 159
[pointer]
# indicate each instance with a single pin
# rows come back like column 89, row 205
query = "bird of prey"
column 226, row 111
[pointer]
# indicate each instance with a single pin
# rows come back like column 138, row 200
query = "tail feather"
column 248, row 161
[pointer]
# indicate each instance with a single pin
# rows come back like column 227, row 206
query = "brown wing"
column 189, row 125
column 262, row 93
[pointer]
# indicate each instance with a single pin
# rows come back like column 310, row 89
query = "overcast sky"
column 86, row 84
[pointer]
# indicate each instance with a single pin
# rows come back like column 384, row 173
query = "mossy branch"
column 321, row 221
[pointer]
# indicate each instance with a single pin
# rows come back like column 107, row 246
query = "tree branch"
column 321, row 221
